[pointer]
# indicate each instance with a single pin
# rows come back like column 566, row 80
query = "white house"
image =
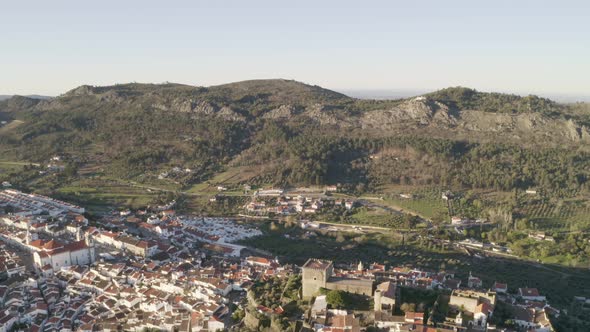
column 530, row 294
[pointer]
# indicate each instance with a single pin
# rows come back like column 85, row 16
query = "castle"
column 318, row 273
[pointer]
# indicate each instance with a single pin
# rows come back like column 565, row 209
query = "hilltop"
column 4, row 97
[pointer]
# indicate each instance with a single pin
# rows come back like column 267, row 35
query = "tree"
column 70, row 170
column 410, row 221
column 337, row 299
column 408, row 307
column 238, row 315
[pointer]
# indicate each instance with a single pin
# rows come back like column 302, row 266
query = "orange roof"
column 484, row 308
column 37, row 243
column 52, row 245
column 260, row 260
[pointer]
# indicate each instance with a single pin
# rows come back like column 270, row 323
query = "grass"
column 99, row 195
column 426, row 202
column 231, row 178
column 10, row 126
column 376, row 217
column 426, row 207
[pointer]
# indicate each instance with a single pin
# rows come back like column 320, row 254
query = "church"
column 54, row 254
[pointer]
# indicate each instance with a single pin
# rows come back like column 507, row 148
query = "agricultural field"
column 232, row 179
column 375, row 216
column 564, row 215
column 8, row 166
column 99, row 195
column 425, row 201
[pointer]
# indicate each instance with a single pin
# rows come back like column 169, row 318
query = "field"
column 426, row 201
column 8, row 166
column 232, row 179
column 100, row 195
column 564, row 215
column 375, row 216
column 10, row 126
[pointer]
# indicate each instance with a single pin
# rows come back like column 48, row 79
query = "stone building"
column 385, row 297
column 317, row 274
column 473, row 308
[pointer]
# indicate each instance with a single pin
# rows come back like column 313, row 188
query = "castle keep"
column 317, row 273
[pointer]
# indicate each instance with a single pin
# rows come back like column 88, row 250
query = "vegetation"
column 338, row 299
column 465, row 98
column 137, row 131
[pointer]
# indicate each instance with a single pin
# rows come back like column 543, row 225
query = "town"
column 154, row 269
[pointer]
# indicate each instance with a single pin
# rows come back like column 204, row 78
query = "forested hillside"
column 296, row 134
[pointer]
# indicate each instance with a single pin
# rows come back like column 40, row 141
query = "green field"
column 376, row 217
column 231, row 179
column 564, row 215
column 426, row 201
column 100, row 195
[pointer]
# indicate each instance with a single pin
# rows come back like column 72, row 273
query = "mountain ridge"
column 455, row 111
column 290, row 132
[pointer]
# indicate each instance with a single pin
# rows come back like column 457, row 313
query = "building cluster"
column 165, row 227
column 154, row 274
column 332, row 320
column 175, row 171
column 288, row 205
column 541, row 236
column 184, row 293
column 457, row 220
column 22, row 204
column 469, row 307
column 151, row 270
column 11, row 263
column 53, row 239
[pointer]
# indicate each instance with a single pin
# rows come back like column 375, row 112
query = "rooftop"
column 317, row 264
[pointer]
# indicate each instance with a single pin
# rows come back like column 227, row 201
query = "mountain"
column 295, row 133
column 4, row 97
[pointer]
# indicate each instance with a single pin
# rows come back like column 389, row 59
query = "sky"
column 540, row 47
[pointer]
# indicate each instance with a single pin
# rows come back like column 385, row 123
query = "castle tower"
column 315, row 274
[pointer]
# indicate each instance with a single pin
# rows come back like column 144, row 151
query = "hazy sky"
column 48, row 47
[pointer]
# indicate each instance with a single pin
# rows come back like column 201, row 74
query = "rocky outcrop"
column 282, row 112
column 326, row 115
column 421, row 111
column 575, row 132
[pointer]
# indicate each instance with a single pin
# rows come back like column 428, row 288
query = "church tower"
column 91, row 250
column 29, row 237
